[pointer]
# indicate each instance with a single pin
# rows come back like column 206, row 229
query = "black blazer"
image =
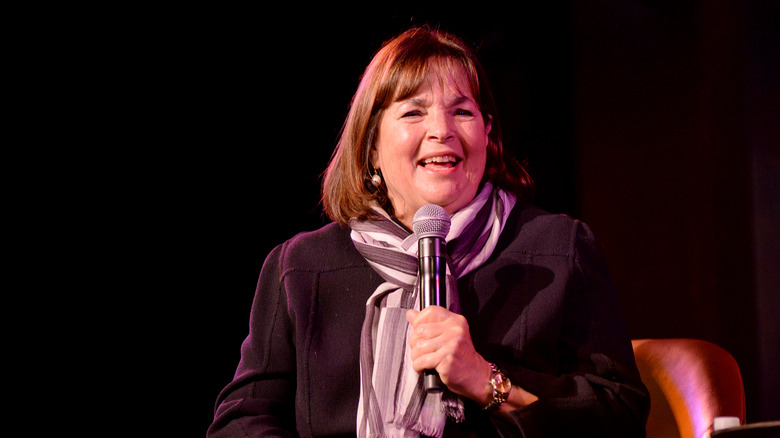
column 543, row 308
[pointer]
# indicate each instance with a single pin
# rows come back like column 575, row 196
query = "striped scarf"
column 393, row 402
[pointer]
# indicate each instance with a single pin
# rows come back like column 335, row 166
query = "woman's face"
column 432, row 147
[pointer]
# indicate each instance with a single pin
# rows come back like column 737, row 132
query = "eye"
column 463, row 112
column 413, row 113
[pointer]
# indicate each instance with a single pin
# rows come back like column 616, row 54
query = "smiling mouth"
column 446, row 162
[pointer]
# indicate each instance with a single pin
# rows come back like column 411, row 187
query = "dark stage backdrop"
column 656, row 124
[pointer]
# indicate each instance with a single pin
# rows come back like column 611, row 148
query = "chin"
column 457, row 200
column 449, row 204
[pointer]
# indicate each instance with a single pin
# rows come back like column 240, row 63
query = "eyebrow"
column 419, row 101
column 459, row 100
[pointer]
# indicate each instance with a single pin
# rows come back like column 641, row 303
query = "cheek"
column 396, row 150
column 478, row 155
column 390, row 141
column 476, row 170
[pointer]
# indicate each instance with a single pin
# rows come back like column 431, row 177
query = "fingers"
column 437, row 337
column 411, row 314
column 438, row 352
column 432, row 322
column 441, row 340
column 425, row 339
column 427, row 315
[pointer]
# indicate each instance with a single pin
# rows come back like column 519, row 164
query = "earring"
column 376, row 180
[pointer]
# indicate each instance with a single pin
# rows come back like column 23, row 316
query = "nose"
column 440, row 126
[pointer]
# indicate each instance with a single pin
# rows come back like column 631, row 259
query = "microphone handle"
column 433, row 290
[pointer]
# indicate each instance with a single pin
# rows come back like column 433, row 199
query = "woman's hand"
column 441, row 340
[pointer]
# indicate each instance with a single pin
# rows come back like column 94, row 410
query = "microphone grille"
column 431, row 221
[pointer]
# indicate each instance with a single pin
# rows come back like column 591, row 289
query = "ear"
column 488, row 125
column 373, row 156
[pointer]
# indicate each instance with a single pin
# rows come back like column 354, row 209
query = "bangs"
column 447, row 71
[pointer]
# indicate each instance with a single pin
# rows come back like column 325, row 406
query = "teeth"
column 444, row 159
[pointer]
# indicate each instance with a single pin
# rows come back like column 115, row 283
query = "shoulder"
column 328, row 248
column 533, row 230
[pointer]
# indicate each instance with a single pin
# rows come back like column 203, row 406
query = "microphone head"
column 431, row 221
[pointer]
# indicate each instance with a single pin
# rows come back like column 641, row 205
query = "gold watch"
column 501, row 386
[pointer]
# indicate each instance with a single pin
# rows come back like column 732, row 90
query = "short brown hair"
column 396, row 72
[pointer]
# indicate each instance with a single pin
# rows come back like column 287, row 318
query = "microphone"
column 431, row 225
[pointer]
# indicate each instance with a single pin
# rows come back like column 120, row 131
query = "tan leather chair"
column 690, row 382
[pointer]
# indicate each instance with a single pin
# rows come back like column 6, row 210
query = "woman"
column 531, row 342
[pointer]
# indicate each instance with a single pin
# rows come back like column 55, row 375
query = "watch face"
column 503, row 384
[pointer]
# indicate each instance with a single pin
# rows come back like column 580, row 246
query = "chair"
column 690, row 383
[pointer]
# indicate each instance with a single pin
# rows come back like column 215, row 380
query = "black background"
column 220, row 121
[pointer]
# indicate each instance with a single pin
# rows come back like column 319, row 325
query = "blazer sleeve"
column 260, row 399
column 598, row 392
